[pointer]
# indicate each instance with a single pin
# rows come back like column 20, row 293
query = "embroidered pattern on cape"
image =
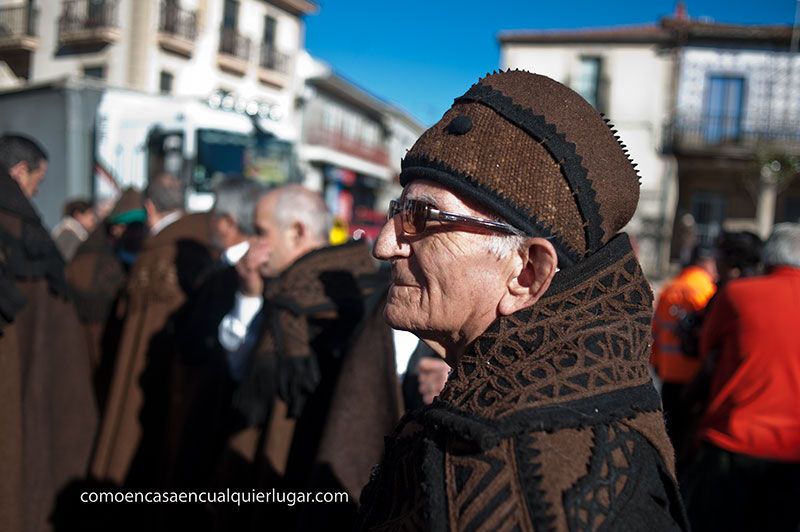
column 584, row 341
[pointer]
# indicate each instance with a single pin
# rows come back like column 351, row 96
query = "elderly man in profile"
column 506, row 259
column 312, row 364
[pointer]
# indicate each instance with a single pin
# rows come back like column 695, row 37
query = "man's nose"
column 391, row 242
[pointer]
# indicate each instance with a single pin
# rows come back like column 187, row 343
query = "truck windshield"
column 220, row 153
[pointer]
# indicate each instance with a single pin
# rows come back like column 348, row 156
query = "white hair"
column 783, row 246
column 501, row 245
column 298, row 204
column 237, row 197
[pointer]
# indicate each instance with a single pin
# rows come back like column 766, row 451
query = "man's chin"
column 400, row 317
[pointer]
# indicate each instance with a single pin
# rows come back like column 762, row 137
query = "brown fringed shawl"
column 321, row 389
column 548, row 422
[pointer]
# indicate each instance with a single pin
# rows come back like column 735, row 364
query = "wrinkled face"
column 29, row 180
column 283, row 249
column 446, row 283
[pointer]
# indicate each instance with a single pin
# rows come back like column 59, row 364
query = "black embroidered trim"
column 563, row 151
column 582, row 505
column 649, row 498
column 613, row 251
column 604, row 408
column 433, row 486
column 416, row 167
column 529, row 470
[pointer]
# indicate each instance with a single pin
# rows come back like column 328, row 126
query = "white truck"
column 101, row 139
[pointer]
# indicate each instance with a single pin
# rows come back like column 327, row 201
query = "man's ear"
column 534, row 269
column 150, row 210
column 19, row 172
column 299, row 232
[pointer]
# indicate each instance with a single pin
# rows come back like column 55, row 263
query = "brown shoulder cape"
column 96, row 278
column 47, row 410
column 324, row 370
column 549, row 421
column 131, row 443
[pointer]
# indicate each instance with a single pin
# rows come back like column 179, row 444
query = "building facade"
column 708, row 111
column 201, row 88
column 241, row 52
column 735, row 132
column 626, row 75
column 351, row 146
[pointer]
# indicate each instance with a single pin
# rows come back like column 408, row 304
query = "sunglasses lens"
column 414, row 217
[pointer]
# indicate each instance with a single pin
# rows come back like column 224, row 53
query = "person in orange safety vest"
column 688, row 293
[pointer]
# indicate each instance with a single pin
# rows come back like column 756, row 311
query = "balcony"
column 177, row 29
column 730, row 135
column 339, row 142
column 273, row 66
column 18, row 38
column 88, row 23
column 234, row 51
column 18, row 30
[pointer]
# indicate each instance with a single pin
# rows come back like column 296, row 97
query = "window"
column 165, row 82
column 722, row 119
column 709, row 212
column 269, row 30
column 230, row 14
column 94, row 72
column 791, row 210
column 587, row 82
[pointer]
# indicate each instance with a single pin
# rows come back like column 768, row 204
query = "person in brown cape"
column 313, row 362
column 96, row 275
column 47, row 410
column 133, row 437
column 506, row 259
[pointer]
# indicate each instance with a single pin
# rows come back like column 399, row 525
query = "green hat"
column 128, row 209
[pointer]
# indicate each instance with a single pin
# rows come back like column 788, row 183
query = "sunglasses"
column 415, row 214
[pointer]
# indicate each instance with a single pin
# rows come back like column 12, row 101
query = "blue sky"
column 420, row 54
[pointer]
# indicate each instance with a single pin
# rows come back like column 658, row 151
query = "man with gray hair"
column 232, row 216
column 747, row 473
column 312, row 362
column 200, row 414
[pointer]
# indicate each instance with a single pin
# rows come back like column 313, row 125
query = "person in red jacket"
column 747, row 474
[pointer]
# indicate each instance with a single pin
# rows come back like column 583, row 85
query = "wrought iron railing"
column 176, row 21
column 338, row 141
column 272, row 59
column 233, row 44
column 79, row 15
column 18, row 21
column 717, row 132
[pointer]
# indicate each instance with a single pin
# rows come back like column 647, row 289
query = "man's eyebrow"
column 421, row 196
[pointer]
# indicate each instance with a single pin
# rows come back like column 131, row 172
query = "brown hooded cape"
column 549, row 421
column 47, row 410
column 96, row 277
column 133, row 438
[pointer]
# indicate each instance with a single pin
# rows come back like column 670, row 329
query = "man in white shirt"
column 204, row 369
column 317, row 389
